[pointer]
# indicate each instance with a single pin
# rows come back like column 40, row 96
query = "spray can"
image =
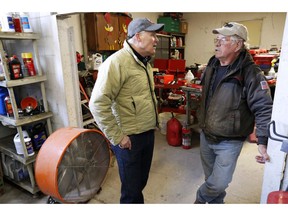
column 25, row 22
column 8, row 106
column 186, row 138
column 28, row 63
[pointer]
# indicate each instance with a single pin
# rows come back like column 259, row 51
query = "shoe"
column 198, row 202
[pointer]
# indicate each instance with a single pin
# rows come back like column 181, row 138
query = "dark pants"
column 134, row 166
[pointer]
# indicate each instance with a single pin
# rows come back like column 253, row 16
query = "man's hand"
column 125, row 143
column 262, row 149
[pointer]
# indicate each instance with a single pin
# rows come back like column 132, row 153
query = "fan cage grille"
column 83, row 167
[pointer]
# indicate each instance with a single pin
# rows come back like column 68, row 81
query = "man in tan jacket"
column 124, row 106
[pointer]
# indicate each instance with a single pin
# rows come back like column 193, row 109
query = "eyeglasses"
column 221, row 41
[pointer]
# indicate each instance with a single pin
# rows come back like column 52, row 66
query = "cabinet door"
column 102, row 30
column 91, row 33
column 123, row 28
column 107, row 29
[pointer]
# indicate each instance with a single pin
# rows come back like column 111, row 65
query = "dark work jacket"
column 241, row 99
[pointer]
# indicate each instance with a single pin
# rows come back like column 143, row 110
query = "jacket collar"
column 144, row 60
column 244, row 59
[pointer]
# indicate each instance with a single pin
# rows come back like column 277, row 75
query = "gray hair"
column 237, row 38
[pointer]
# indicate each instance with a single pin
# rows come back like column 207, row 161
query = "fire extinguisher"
column 174, row 132
column 186, row 138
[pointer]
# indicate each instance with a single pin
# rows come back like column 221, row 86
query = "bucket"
column 17, row 142
column 3, row 94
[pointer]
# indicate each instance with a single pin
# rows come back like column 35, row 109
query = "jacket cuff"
column 262, row 140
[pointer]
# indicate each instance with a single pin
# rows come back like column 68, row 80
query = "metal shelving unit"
column 7, row 147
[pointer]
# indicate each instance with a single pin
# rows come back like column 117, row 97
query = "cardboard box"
column 184, row 27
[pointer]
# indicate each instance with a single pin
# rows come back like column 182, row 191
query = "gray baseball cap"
column 233, row 28
column 143, row 24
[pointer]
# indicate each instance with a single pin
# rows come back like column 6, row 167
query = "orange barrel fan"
column 72, row 164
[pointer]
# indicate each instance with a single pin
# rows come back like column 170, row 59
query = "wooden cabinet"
column 106, row 31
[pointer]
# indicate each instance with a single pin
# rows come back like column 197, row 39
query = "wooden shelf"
column 25, row 120
column 24, row 81
column 25, row 185
column 19, row 36
column 7, row 146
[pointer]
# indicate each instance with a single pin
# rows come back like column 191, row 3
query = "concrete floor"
column 175, row 175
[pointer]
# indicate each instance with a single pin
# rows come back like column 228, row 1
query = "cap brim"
column 155, row 27
column 223, row 31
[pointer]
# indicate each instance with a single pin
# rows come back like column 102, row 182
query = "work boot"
column 199, row 202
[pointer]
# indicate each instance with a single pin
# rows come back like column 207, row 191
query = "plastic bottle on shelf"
column 7, row 24
column 174, row 41
column 15, row 68
column 180, row 42
column 8, row 105
column 189, row 76
column 29, row 146
column 1, row 69
column 26, row 26
column 3, row 95
column 17, row 22
column 272, row 71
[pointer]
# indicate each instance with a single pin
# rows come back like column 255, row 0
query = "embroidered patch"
column 264, row 85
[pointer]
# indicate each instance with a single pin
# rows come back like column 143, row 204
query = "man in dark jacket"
column 235, row 97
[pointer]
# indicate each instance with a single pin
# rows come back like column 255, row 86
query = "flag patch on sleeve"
column 264, row 85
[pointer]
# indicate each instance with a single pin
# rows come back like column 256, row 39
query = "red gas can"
column 174, row 132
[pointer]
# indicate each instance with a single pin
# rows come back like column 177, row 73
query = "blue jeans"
column 218, row 162
column 134, row 166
